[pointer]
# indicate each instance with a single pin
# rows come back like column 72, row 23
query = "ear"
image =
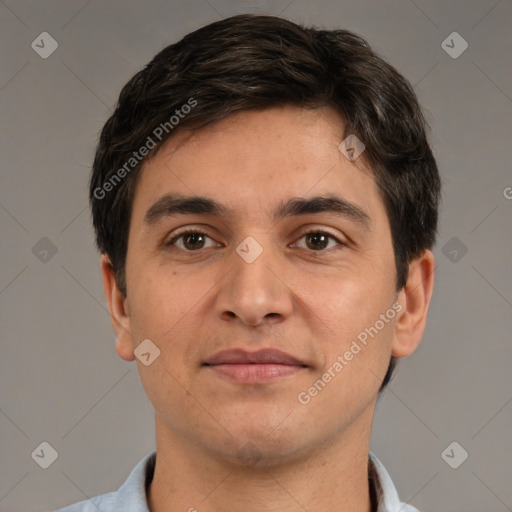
column 119, row 312
column 414, row 299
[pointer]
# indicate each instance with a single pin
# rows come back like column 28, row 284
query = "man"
column 265, row 201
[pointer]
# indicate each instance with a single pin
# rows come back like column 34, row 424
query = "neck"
column 189, row 478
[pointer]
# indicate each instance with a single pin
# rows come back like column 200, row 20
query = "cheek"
column 159, row 301
column 358, row 345
column 169, row 310
column 348, row 304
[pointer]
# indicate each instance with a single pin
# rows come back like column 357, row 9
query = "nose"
column 255, row 292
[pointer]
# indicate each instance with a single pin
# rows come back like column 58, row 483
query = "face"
column 255, row 276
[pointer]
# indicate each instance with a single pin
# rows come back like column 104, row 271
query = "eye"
column 319, row 240
column 193, row 240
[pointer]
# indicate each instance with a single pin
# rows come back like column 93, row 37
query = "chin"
column 255, row 455
column 262, row 447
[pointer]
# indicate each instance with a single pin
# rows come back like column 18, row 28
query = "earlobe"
column 119, row 311
column 414, row 299
column 125, row 349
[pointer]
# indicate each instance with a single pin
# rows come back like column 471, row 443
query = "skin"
column 307, row 298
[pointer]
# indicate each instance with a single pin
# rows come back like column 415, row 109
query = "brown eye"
column 191, row 240
column 319, row 240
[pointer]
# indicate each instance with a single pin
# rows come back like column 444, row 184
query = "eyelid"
column 302, row 233
column 185, row 231
column 321, row 230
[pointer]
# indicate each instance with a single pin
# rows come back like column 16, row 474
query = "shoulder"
column 387, row 496
column 407, row 508
column 130, row 497
column 105, row 503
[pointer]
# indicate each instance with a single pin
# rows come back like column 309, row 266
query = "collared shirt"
column 131, row 496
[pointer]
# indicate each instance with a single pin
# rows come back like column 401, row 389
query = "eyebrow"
column 175, row 204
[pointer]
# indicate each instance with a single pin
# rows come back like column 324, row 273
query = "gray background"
column 61, row 381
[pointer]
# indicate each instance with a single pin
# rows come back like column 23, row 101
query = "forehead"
column 255, row 161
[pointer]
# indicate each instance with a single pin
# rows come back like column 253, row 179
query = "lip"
column 262, row 366
column 263, row 356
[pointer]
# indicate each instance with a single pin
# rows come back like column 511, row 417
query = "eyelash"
column 198, row 232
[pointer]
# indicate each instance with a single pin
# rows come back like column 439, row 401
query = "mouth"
column 259, row 367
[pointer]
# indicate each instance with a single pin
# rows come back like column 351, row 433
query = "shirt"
column 131, row 496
